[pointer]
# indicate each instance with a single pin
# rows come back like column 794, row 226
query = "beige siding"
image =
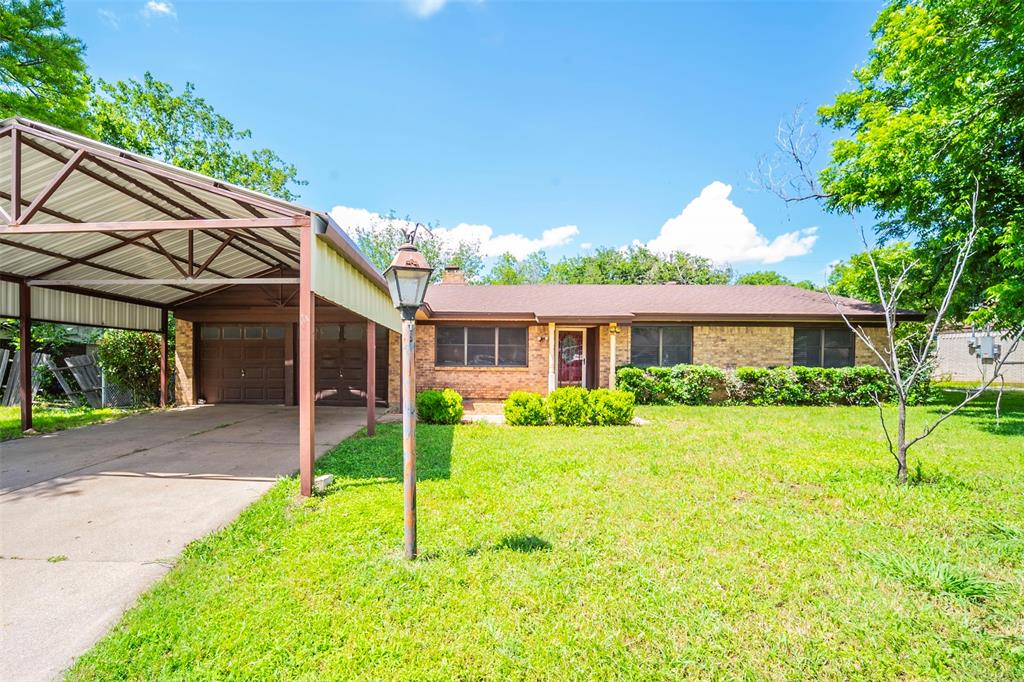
column 339, row 281
column 67, row 307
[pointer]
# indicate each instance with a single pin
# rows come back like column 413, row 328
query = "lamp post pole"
column 407, row 279
column 409, row 428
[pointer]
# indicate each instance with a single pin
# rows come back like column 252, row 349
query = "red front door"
column 570, row 358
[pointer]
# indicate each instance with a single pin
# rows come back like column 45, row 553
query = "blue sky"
column 522, row 124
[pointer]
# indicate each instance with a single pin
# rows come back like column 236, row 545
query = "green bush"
column 811, row 386
column 439, row 407
column 523, row 408
column 132, row 361
column 634, row 380
column 681, row 384
column 610, row 408
column 568, row 406
column 696, row 384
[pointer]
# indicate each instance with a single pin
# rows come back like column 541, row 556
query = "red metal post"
column 371, row 377
column 307, row 407
column 409, row 433
column 25, row 319
column 15, row 175
column 163, row 357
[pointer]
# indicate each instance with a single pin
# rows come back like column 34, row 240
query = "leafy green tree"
column 132, row 361
column 42, row 73
column 379, row 242
column 149, row 117
column 939, row 106
column 638, row 265
column 855, row 278
column 763, row 277
column 507, row 269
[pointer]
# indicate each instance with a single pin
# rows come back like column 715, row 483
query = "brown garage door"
column 242, row 363
column 341, row 364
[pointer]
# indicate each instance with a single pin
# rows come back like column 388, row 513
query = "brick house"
column 486, row 341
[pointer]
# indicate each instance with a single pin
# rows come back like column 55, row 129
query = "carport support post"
column 306, row 398
column 371, row 377
column 163, row 357
column 25, row 333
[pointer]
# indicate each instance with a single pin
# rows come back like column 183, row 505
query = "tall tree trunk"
column 901, row 444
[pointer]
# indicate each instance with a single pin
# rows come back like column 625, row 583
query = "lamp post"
column 407, row 278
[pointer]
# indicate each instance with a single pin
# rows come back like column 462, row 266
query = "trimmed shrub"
column 778, row 386
column 681, row 384
column 523, row 408
column 634, row 380
column 568, row 406
column 610, row 408
column 698, row 384
column 439, row 407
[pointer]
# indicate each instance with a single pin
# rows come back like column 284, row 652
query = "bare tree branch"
column 787, row 172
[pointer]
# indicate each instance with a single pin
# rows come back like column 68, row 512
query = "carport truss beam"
column 300, row 221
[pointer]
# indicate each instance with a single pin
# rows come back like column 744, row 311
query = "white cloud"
column 426, row 8
column 714, row 227
column 110, row 18
column 159, row 8
column 491, row 244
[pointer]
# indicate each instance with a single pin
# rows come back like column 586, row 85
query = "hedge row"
column 570, row 406
column 702, row 384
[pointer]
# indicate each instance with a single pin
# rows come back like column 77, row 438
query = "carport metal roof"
column 106, row 237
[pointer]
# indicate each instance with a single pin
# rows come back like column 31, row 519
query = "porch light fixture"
column 407, row 278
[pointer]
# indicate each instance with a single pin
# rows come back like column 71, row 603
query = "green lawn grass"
column 711, row 543
column 47, row 419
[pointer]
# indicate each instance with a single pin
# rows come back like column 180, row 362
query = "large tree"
column 42, row 73
column 380, row 240
column 772, row 277
column 938, row 107
column 638, row 265
column 855, row 276
column 507, row 269
column 149, row 117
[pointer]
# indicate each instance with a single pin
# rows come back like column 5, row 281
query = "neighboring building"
column 955, row 362
column 486, row 341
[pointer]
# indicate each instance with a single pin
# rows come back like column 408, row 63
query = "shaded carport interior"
column 95, row 235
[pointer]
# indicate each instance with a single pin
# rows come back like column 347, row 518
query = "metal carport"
column 94, row 235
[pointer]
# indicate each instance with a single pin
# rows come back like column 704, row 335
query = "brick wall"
column 184, row 367
column 394, row 370
column 483, row 383
column 862, row 355
column 729, row 346
column 605, row 351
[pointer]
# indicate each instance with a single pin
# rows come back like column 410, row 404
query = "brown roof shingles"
column 627, row 302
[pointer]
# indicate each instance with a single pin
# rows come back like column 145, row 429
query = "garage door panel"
column 242, row 364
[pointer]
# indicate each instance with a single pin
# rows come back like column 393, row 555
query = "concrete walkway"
column 91, row 517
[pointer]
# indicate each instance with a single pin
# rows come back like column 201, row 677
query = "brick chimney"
column 453, row 274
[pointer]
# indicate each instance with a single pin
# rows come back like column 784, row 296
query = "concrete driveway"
column 91, row 517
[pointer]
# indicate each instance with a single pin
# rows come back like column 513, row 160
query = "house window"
column 661, row 346
column 480, row 346
column 823, row 347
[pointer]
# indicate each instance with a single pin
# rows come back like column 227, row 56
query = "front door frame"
column 558, row 335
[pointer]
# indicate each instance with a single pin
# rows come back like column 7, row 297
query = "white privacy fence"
column 954, row 362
